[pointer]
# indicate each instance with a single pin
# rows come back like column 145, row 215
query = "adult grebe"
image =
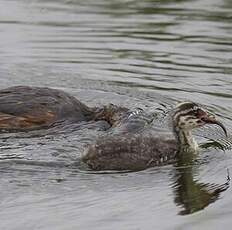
column 25, row 108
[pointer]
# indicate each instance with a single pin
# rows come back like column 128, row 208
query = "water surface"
column 149, row 54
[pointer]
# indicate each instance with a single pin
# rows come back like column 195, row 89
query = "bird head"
column 189, row 115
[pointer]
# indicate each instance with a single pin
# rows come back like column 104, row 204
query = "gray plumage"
column 130, row 152
column 135, row 147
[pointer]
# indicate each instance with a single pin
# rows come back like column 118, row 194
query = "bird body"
column 143, row 150
column 24, row 108
column 129, row 144
column 130, row 152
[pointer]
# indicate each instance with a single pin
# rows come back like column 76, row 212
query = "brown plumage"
column 25, row 108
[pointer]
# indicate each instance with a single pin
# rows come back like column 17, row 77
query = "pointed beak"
column 209, row 119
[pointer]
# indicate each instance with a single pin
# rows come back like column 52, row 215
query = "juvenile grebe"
column 130, row 151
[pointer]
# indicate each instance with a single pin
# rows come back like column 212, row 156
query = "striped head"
column 189, row 115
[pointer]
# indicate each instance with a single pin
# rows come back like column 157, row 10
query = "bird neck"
column 111, row 113
column 186, row 140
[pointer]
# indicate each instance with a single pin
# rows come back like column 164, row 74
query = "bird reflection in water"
column 190, row 194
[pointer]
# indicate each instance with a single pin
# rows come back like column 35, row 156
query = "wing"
column 24, row 107
column 10, row 123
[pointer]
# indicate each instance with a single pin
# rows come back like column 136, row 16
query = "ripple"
column 148, row 54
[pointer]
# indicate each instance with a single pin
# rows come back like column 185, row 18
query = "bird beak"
column 209, row 119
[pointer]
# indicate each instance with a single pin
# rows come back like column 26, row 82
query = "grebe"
column 137, row 151
column 24, row 108
column 128, row 147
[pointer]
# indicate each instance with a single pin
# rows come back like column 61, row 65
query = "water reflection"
column 190, row 194
column 140, row 54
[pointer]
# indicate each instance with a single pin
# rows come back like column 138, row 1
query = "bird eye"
column 195, row 111
column 199, row 112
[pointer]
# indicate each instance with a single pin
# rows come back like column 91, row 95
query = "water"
column 147, row 54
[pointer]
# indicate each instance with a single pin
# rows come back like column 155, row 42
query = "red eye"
column 200, row 113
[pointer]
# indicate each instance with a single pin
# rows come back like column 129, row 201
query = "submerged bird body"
column 24, row 108
column 129, row 144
